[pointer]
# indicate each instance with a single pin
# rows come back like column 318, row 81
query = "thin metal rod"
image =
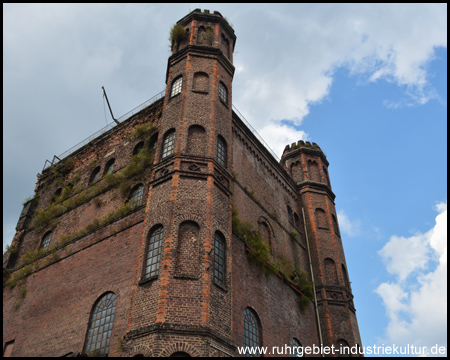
column 313, row 283
column 104, row 93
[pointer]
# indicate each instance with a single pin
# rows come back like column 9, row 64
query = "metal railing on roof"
column 100, row 132
column 130, row 113
column 256, row 134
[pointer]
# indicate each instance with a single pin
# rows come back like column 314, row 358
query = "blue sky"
column 368, row 83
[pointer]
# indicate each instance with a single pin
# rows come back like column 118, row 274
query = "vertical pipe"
column 313, row 283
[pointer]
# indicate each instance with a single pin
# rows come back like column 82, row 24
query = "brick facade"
column 148, row 231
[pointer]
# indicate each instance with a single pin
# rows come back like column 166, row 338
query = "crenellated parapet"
column 305, row 161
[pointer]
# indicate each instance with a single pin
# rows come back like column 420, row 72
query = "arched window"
column 136, row 193
column 290, row 216
column 100, row 325
column 169, row 144
column 335, row 225
column 219, row 258
column 95, row 175
column 46, row 240
column 342, row 348
column 153, row 252
column 295, row 348
column 152, row 143
column 138, row 147
column 109, row 167
column 252, row 331
column 221, row 151
column 296, row 220
column 176, row 86
column 223, row 93
column 56, row 195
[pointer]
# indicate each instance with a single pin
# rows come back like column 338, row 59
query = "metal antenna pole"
column 104, row 93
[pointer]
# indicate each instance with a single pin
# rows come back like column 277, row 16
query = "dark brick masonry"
column 99, row 246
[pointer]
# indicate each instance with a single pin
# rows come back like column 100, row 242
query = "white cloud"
column 278, row 136
column 381, row 42
column 347, row 226
column 417, row 305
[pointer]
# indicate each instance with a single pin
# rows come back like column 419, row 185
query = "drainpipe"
column 314, row 286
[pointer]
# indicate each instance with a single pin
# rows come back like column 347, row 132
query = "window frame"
column 168, row 146
column 46, row 239
column 223, row 93
column 156, row 235
column 177, row 86
column 222, row 151
column 256, row 339
column 134, row 197
column 101, row 317
column 219, row 259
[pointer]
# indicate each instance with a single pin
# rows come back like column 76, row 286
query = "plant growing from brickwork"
column 12, row 249
column 260, row 254
column 177, row 34
column 138, row 163
column 23, row 292
column 301, row 281
column 142, row 131
column 294, row 235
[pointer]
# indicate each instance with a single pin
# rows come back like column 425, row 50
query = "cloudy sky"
column 368, row 83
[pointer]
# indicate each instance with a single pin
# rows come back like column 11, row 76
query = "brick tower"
column 189, row 200
column 177, row 232
column 308, row 166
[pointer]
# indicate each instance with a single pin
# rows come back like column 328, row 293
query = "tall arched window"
column 219, row 258
column 290, row 216
column 168, row 144
column 153, row 252
column 221, row 151
column 109, row 167
column 152, row 143
column 138, row 147
column 100, row 325
column 46, row 240
column 95, row 175
column 223, row 93
column 176, row 86
column 335, row 225
column 252, row 331
column 136, row 194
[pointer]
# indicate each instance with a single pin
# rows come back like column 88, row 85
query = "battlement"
column 301, row 144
